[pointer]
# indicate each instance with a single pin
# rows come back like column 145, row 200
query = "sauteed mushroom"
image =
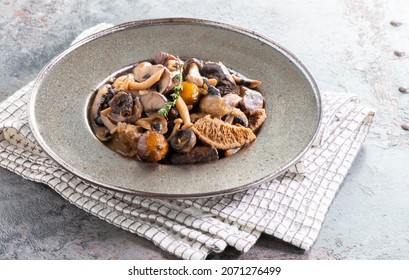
column 175, row 111
column 154, row 122
column 152, row 101
column 183, row 140
column 199, row 154
column 214, row 105
column 219, row 72
column 252, row 99
column 192, row 67
column 152, row 146
column 244, row 81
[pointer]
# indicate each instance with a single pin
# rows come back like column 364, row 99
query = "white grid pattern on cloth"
column 291, row 207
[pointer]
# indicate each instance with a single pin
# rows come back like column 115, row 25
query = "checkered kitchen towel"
column 291, row 207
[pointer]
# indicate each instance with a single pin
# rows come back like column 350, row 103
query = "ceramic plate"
column 58, row 107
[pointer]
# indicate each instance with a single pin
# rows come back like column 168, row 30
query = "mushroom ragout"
column 177, row 111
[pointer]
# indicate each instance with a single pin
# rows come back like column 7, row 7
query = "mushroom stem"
column 147, row 83
column 194, row 76
column 183, row 112
column 176, row 127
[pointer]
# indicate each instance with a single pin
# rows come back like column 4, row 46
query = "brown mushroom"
column 122, row 104
column 244, row 81
column 218, row 71
column 237, row 117
column 152, row 146
column 252, row 99
column 149, row 81
column 199, row 154
column 154, row 122
column 183, row 140
column 152, row 101
column 232, row 99
column 163, row 58
column 128, row 136
column 192, row 68
column 145, row 71
column 228, row 89
column 214, row 105
column 221, row 135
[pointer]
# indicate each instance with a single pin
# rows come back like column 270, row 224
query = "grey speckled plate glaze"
column 58, row 107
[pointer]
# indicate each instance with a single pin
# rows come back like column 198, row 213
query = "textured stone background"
column 348, row 45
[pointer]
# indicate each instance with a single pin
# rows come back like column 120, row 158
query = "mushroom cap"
column 183, row 140
column 121, row 103
column 232, row 99
column 145, row 70
column 152, row 101
column 152, row 146
column 154, row 122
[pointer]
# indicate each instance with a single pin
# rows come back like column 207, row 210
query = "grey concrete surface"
column 349, row 45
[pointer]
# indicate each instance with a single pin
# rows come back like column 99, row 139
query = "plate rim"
column 158, row 21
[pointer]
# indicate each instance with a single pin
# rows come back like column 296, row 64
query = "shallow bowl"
column 58, row 107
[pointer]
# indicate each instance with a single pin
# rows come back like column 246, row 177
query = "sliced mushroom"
column 244, row 81
column 122, row 82
column 238, row 117
column 152, row 101
column 149, row 82
column 252, row 99
column 165, row 83
column 145, row 70
column 192, row 68
column 214, row 105
column 183, row 140
column 199, row 154
column 154, row 122
column 221, row 135
column 218, row 71
column 256, row 119
column 232, row 99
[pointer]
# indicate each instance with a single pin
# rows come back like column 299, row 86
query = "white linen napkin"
column 291, row 207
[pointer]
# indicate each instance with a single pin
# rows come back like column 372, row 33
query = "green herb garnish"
column 175, row 95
